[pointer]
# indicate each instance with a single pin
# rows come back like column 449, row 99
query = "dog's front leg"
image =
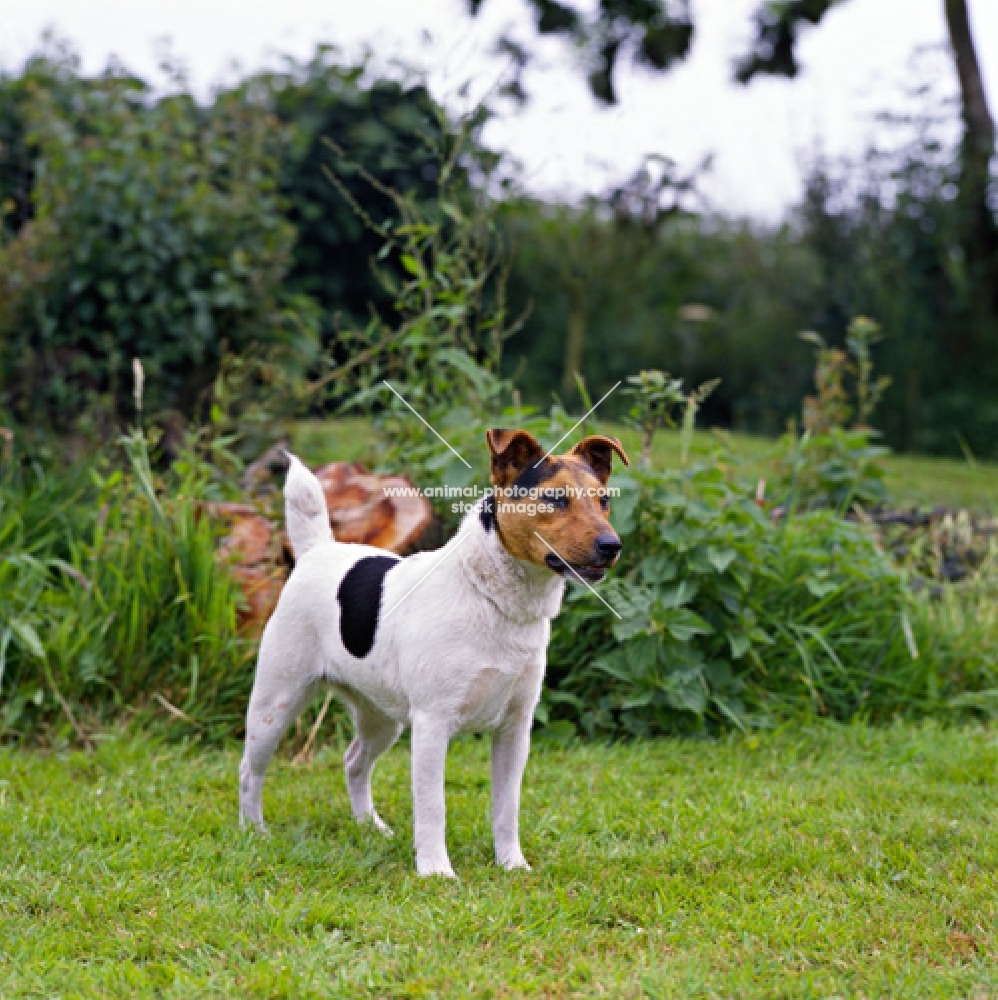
column 510, row 748
column 429, row 758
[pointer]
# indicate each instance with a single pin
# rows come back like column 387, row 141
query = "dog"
column 446, row 642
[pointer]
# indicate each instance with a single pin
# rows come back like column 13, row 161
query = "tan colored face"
column 554, row 511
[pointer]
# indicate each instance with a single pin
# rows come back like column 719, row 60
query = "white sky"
column 855, row 64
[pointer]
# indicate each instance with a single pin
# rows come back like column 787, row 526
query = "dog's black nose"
column 608, row 547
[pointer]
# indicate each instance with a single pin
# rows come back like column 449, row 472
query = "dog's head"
column 554, row 510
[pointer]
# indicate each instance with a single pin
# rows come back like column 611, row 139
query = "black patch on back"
column 360, row 602
column 487, row 515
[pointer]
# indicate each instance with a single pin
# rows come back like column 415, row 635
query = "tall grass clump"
column 42, row 516
column 113, row 602
column 957, row 625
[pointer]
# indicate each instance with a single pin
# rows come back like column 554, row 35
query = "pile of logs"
column 383, row 511
column 944, row 545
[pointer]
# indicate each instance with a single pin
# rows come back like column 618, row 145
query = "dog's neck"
column 522, row 591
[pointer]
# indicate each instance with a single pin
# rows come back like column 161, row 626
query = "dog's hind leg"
column 274, row 705
column 375, row 733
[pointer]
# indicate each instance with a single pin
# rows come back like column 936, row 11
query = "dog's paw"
column 378, row 823
column 427, row 868
column 255, row 825
column 516, row 862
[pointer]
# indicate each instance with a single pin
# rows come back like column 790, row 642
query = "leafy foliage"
column 156, row 233
column 727, row 617
column 836, row 461
column 393, row 132
column 651, row 33
column 439, row 350
column 656, row 396
column 841, row 468
column 777, row 27
column 699, row 298
column 112, row 596
column 154, row 228
column 641, row 279
column 722, row 613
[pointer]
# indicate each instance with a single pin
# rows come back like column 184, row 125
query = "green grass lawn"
column 911, row 479
column 820, row 861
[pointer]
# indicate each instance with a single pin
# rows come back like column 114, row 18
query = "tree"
column 154, row 229
column 392, row 130
column 650, row 33
column 978, row 225
column 659, row 33
column 777, row 26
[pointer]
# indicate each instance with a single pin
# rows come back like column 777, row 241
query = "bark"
column 979, row 227
column 976, row 113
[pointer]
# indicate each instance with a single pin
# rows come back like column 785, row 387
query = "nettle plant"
column 836, row 461
column 722, row 615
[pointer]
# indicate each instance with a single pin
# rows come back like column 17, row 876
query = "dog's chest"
column 506, row 668
column 485, row 701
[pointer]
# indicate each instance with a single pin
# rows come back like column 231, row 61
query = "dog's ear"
column 597, row 452
column 512, row 452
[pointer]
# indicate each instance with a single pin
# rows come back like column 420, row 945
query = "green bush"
column 393, row 131
column 729, row 611
column 111, row 599
column 156, row 232
column 176, row 231
column 729, row 617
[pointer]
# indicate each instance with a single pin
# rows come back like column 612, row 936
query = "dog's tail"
column 305, row 512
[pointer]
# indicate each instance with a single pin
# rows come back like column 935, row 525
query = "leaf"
column 641, row 700
column 658, row 568
column 28, row 637
column 733, row 709
column 677, row 535
column 624, row 506
column 821, row 588
column 412, row 265
column 720, row 558
column 684, row 625
column 687, row 692
column 740, row 645
column 682, row 593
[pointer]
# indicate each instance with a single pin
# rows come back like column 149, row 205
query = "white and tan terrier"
column 445, row 642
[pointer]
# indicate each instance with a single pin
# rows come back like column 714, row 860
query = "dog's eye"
column 555, row 500
column 604, row 502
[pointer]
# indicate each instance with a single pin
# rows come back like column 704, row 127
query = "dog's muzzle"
column 607, row 549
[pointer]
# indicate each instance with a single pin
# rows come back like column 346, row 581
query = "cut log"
column 384, row 511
